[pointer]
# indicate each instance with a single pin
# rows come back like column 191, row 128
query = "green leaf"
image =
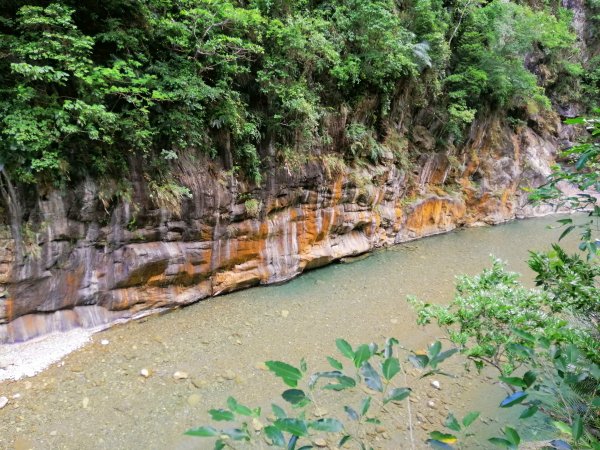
column 582, row 160
column 419, row 361
column 275, row 435
column 362, row 354
column 501, row 442
column 389, row 347
column 452, row 423
column 396, row 395
column 352, row 414
column 203, row 432
column 221, row 415
column 512, row 435
column 292, row 443
column 296, row 397
column 373, row 420
column 344, row 439
column 236, row 434
column 239, row 408
column 438, row 444
column 303, row 366
column 563, row 427
column 470, row 418
column 278, row 411
column 343, row 381
column 364, row 406
column 566, row 231
column 559, row 444
column 219, row 445
column 513, row 399
column 575, row 121
column 524, row 335
column 514, row 381
column 443, row 437
column 434, row 349
column 289, row 374
column 344, row 348
column 328, row 425
column 529, row 378
column 335, row 363
column 295, row 427
column 390, row 367
column 371, row 377
column 528, row 412
column 577, row 428
column 442, row 357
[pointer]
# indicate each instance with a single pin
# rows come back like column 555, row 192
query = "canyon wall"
column 89, row 262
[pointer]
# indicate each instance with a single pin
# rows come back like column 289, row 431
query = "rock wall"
column 89, row 262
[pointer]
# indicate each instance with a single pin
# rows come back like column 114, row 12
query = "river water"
column 96, row 399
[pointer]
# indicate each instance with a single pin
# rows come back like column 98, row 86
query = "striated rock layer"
column 88, row 262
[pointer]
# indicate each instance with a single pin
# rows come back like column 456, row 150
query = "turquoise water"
column 98, row 400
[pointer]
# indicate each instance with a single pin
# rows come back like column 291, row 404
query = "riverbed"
column 95, row 398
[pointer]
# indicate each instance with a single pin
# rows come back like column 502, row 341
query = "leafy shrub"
column 168, row 196
column 377, row 374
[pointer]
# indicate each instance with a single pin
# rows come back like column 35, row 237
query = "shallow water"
column 95, row 398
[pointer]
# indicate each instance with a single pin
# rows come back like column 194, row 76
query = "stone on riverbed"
column 180, row 375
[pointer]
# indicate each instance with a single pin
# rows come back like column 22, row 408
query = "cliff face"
column 84, row 266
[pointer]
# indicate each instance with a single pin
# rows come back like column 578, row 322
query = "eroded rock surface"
column 86, row 267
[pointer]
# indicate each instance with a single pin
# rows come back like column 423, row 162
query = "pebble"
column 85, row 402
column 431, row 404
column 104, row 342
column 319, row 412
column 3, row 402
column 180, row 375
column 53, row 433
column 257, row 424
column 198, row 383
column 436, row 384
column 194, row 399
column 145, row 373
column 285, row 313
column 320, row 442
column 23, row 444
column 394, row 321
column 229, row 375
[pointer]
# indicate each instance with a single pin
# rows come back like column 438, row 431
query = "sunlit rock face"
column 88, row 263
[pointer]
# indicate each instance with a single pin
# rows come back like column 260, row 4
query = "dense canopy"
column 86, row 86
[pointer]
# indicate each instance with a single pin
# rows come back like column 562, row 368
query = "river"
column 96, row 399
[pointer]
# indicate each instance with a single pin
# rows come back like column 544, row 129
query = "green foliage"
column 371, row 371
column 484, row 313
column 246, row 80
column 582, row 170
column 491, row 49
column 253, row 207
column 571, row 282
column 168, row 196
